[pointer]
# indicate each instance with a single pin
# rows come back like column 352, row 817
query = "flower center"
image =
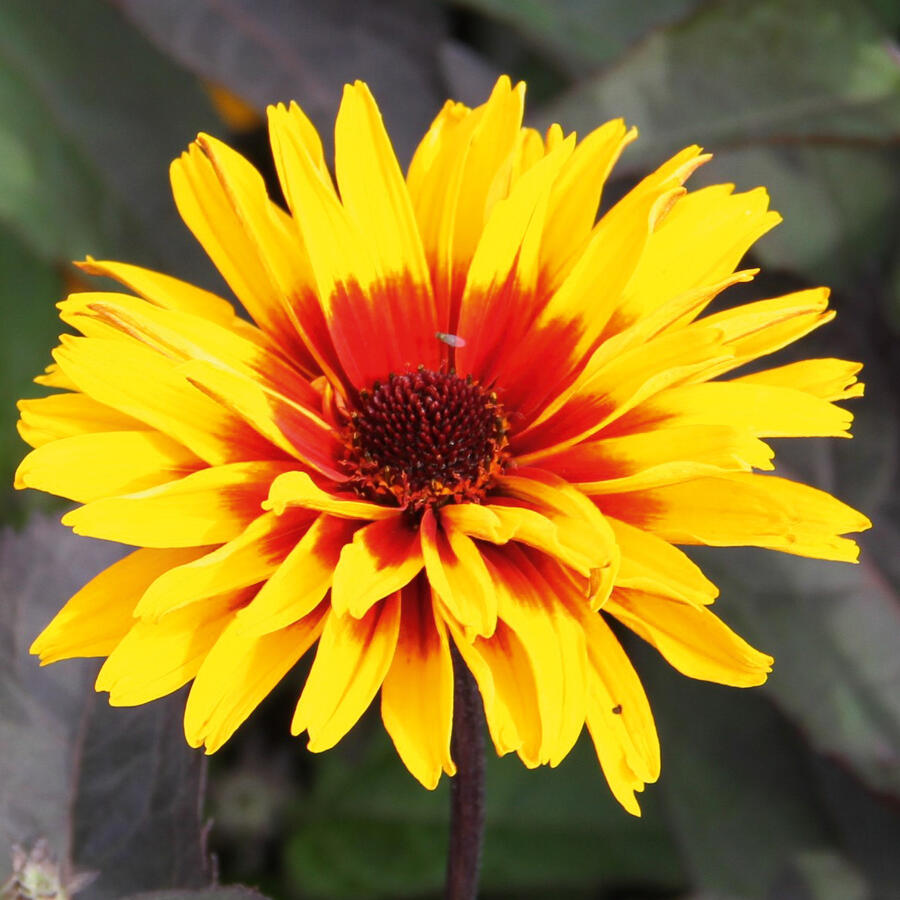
column 424, row 439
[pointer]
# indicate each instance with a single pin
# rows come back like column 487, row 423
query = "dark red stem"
column 466, row 787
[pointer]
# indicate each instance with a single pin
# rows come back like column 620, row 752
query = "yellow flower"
column 466, row 413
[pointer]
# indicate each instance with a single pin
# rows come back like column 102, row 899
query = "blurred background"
column 786, row 791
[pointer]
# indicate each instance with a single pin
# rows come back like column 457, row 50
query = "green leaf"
column 551, row 832
column 29, row 289
column 582, row 34
column 866, row 824
column 833, row 628
column 734, row 781
column 822, row 875
column 798, row 95
column 267, row 51
column 838, row 205
column 114, row 791
column 90, row 118
column 774, row 70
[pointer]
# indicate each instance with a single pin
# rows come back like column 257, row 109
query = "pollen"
column 426, row 438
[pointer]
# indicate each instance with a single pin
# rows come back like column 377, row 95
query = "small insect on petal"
column 452, row 340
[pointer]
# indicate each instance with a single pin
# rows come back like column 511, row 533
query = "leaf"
column 267, row 51
column 866, row 824
column 834, row 632
column 581, row 34
column 28, row 290
column 215, row 893
column 90, row 117
column 799, row 96
column 833, row 628
column 116, row 791
column 738, row 73
column 821, row 875
column 549, row 831
column 735, row 783
column 838, row 205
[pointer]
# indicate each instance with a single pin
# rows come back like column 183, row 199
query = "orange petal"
column 382, row 558
column 302, row 580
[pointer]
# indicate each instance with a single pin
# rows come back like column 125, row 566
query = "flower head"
column 466, row 412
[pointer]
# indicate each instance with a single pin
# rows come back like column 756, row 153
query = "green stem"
column 466, row 787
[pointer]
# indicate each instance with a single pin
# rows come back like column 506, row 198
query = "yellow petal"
column 223, row 200
column 609, row 389
column 450, row 181
column 554, row 642
column 576, row 196
column 476, row 521
column 828, row 379
column 100, row 614
column 298, row 585
column 434, row 179
column 717, row 225
column 373, row 190
column 47, row 419
column 184, row 336
column 664, row 456
column 382, row 558
column 208, row 507
column 164, row 290
column 500, row 294
column 417, row 694
column 617, row 702
column 765, row 410
column 651, row 564
column 744, row 510
column 54, row 377
column 503, row 672
column 156, row 658
column 87, row 467
column 756, row 329
column 238, row 672
column 247, row 559
column 620, row 777
column 137, row 381
column 581, row 529
column 693, row 639
column 352, row 659
column 458, row 574
column 298, row 489
column 296, row 429
column 359, row 299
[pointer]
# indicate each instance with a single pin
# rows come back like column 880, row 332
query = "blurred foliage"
column 116, row 792
column 790, row 790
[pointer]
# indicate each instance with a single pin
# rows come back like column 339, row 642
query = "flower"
column 466, row 414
